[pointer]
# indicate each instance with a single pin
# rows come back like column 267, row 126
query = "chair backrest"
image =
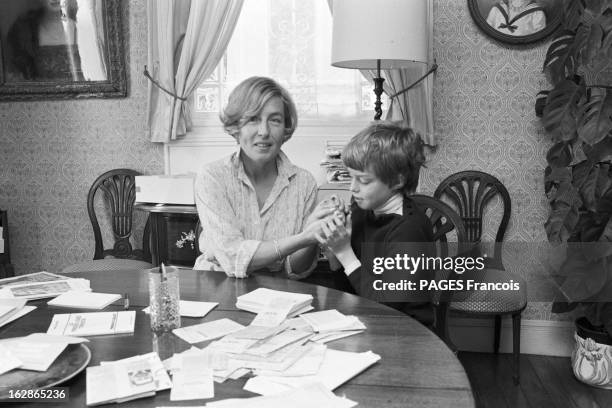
column 119, row 189
column 470, row 192
column 444, row 220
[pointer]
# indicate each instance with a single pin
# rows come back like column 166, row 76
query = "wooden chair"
column 119, row 192
column 471, row 192
column 446, row 224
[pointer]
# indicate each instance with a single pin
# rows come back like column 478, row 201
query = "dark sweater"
column 386, row 236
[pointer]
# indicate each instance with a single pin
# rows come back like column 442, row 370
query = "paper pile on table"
column 93, row 323
column 257, row 300
column 40, row 285
column 11, row 309
column 125, row 380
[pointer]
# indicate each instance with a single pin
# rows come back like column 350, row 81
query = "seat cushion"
column 110, row 264
column 491, row 301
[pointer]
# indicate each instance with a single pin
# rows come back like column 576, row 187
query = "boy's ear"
column 401, row 182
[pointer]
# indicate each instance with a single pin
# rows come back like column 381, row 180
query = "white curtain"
column 90, row 40
column 187, row 39
column 414, row 107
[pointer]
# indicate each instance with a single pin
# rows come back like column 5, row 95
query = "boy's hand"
column 336, row 235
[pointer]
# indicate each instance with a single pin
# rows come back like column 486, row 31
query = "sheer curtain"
column 186, row 41
column 414, row 107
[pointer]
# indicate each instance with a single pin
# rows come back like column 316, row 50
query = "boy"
column 384, row 161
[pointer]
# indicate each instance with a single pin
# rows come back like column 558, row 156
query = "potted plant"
column 577, row 114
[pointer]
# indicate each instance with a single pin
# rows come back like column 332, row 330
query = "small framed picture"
column 517, row 21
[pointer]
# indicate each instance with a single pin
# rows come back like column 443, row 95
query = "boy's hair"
column 248, row 99
column 388, row 150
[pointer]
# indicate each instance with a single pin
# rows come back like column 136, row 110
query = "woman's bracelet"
column 278, row 251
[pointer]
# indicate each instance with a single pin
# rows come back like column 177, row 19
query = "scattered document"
column 34, row 355
column 207, row 331
column 22, row 312
column 119, row 382
column 51, row 338
column 93, row 324
column 257, row 300
column 307, row 396
column 152, row 362
column 189, row 308
column 10, row 307
column 8, row 361
column 337, row 368
column 31, row 278
column 84, row 300
column 41, row 290
column 332, row 320
column 193, row 379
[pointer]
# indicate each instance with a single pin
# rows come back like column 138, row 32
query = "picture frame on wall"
column 517, row 21
column 61, row 49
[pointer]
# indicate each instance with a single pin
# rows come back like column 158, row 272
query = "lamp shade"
column 392, row 31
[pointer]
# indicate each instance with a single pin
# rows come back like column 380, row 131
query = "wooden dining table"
column 416, row 368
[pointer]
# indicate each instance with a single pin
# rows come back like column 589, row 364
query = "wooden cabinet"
column 6, row 269
column 173, row 233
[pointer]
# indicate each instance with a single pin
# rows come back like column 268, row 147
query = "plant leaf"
column 585, row 279
column 585, row 176
column 563, row 216
column 573, row 13
column 559, row 155
column 540, row 103
column 559, row 61
column 595, row 117
column 560, row 112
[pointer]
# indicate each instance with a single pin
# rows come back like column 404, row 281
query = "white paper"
column 8, row 360
column 274, row 313
column 337, row 368
column 332, row 320
column 34, row 355
column 40, row 290
column 161, row 377
column 10, row 307
column 193, row 379
column 84, row 300
column 279, row 341
column 207, row 331
column 93, row 324
column 257, row 300
column 326, row 337
column 51, row 338
column 118, row 382
column 307, row 396
column 189, row 308
column 22, row 312
column 230, row 344
column 258, row 332
column 308, row 364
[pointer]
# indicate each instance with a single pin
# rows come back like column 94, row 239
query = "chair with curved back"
column 119, row 192
column 444, row 221
column 471, row 193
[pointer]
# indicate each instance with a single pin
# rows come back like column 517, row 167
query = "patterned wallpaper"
column 50, row 152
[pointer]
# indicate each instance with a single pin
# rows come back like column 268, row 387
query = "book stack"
column 125, row 380
column 335, row 170
column 259, row 299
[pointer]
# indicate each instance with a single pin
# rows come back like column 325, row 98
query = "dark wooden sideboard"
column 6, row 269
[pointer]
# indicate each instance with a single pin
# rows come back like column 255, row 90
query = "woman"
column 257, row 210
column 517, row 17
column 44, row 43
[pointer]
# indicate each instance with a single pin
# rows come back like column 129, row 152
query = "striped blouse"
column 233, row 226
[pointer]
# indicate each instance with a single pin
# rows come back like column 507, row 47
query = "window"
column 290, row 41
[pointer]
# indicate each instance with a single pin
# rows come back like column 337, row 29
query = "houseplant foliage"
column 577, row 114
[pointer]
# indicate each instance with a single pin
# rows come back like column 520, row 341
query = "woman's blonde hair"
column 248, row 99
column 394, row 153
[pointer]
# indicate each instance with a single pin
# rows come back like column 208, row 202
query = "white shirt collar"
column 394, row 205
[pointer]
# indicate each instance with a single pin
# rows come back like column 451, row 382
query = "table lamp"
column 381, row 34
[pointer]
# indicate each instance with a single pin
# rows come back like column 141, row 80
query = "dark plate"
column 68, row 364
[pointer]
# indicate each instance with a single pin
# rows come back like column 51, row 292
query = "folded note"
column 190, row 308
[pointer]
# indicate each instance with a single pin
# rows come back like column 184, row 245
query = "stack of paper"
column 257, row 300
column 331, row 325
column 93, row 324
column 41, row 290
column 125, row 380
column 84, row 300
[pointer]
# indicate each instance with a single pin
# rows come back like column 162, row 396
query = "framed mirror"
column 61, row 49
column 517, row 21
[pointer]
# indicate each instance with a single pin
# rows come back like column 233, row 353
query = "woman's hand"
column 336, row 233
